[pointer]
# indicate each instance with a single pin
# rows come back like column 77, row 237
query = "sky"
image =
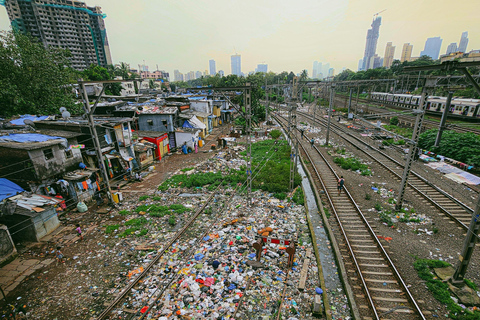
column 286, row 35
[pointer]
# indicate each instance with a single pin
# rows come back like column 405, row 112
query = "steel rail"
column 370, row 230
column 418, row 176
column 105, row 313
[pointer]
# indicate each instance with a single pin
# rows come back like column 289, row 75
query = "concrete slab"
column 47, row 262
column 31, row 262
column 22, row 268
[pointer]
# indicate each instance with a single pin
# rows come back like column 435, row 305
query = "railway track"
column 161, row 281
column 429, row 124
column 380, row 290
column 453, row 208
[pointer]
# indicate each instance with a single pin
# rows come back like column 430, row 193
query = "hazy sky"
column 287, row 35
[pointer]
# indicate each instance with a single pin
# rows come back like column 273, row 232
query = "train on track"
column 459, row 108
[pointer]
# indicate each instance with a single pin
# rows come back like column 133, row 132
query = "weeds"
column 136, row 222
column 124, row 213
column 298, row 197
column 378, row 206
column 368, row 196
column 352, row 163
column 112, row 228
column 142, row 198
column 172, row 221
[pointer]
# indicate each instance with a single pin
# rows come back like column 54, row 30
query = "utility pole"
column 350, row 102
column 356, row 98
column 266, row 107
column 98, row 150
column 332, row 92
column 248, row 131
column 294, row 144
column 444, row 119
column 413, row 148
column 468, row 246
column 315, row 104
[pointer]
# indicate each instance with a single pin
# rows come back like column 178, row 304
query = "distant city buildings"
column 213, row 69
column 221, row 73
column 452, row 47
column 262, row 68
column 314, row 69
column 389, row 52
column 462, row 46
column 236, row 63
column 371, row 44
column 406, row 52
column 432, row 48
column 198, row 74
column 360, row 65
column 177, row 75
column 331, row 72
column 76, row 27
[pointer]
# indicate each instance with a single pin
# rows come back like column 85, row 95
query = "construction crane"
column 376, row 14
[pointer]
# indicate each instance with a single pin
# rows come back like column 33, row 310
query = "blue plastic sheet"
column 8, row 188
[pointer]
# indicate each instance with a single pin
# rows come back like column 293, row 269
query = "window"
column 150, row 122
column 68, row 154
column 48, row 153
column 165, row 123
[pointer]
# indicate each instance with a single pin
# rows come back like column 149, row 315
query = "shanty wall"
column 7, row 248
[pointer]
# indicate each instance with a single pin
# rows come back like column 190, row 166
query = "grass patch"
column 172, row 221
column 112, row 228
column 280, row 196
column 440, row 290
column 124, row 213
column 136, row 222
column 156, row 198
column 404, row 132
column 368, row 196
column 143, row 198
column 186, row 169
column 352, row 163
column 298, row 197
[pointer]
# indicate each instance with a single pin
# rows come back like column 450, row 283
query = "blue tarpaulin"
column 19, row 121
column 28, row 137
column 8, row 189
column 187, row 124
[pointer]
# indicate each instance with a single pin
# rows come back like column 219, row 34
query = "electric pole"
column 266, row 107
column 93, row 131
column 444, row 119
column 330, row 105
column 248, row 131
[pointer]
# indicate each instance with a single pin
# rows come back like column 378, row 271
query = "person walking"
column 79, row 231
column 303, row 132
column 312, row 142
column 340, row 184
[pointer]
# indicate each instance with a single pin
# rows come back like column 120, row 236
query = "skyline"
column 286, row 36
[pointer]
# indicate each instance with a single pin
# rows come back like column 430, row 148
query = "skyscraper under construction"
column 67, row 24
column 371, row 45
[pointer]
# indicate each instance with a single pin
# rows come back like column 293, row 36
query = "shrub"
column 280, row 196
column 378, row 206
column 298, row 197
column 136, row 221
column 124, row 213
column 142, row 198
column 171, row 220
column 275, row 133
column 112, row 228
column 394, row 121
column 368, row 196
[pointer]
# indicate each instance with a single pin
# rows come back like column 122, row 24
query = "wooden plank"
column 303, row 275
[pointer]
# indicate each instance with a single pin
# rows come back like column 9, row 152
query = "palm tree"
column 122, row 70
column 304, row 75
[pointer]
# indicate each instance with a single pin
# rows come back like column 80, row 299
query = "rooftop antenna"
column 376, row 14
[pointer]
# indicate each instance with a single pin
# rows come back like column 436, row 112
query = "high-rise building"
column 462, row 46
column 64, row 24
column 319, row 71
column 406, row 52
column 198, row 74
column 236, row 60
column 213, row 68
column 360, row 65
column 452, row 47
column 389, row 52
column 432, row 48
column 325, row 69
column 221, row 73
column 314, row 70
column 371, row 45
column 262, row 68
column 331, row 72
column 177, row 75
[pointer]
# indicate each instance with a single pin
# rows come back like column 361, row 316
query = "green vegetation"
column 280, row 196
column 136, row 222
column 187, row 169
column 378, row 206
column 368, row 196
column 298, row 197
column 404, row 132
column 394, row 121
column 111, row 228
column 354, row 164
column 172, row 221
column 440, row 289
column 463, row 147
column 124, row 213
column 142, row 198
column 274, row 176
column 155, row 210
column 34, row 79
column 275, row 133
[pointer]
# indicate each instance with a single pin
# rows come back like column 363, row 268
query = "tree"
column 33, row 79
column 98, row 73
column 122, row 70
column 304, row 75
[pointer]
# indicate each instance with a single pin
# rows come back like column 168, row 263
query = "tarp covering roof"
column 20, row 121
column 196, row 123
column 28, row 137
column 8, row 188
